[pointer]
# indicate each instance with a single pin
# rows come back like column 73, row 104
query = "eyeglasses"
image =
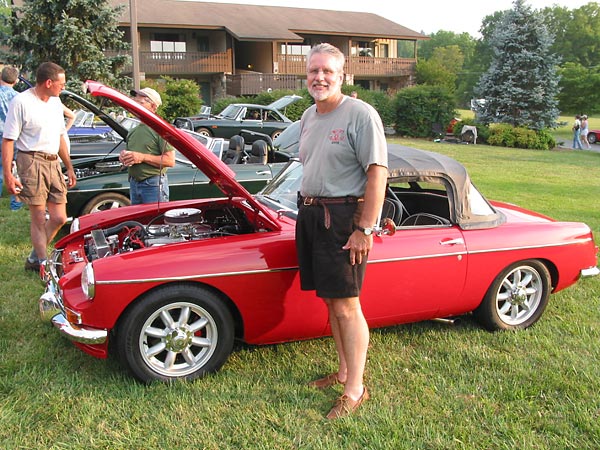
column 143, row 98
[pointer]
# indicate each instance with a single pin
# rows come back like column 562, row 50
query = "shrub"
column 483, row 131
column 505, row 135
column 180, row 97
column 419, row 108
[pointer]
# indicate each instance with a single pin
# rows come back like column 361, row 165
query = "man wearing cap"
column 147, row 156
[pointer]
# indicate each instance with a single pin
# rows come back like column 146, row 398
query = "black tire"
column 103, row 202
column 276, row 134
column 176, row 332
column 204, row 131
column 592, row 138
column 517, row 298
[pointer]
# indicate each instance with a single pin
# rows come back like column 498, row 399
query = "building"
column 231, row 49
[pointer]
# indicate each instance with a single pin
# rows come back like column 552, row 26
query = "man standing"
column 35, row 123
column 344, row 153
column 147, row 156
column 9, row 78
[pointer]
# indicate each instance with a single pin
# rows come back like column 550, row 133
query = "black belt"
column 324, row 201
column 44, row 155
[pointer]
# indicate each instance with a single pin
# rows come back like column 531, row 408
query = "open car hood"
column 216, row 170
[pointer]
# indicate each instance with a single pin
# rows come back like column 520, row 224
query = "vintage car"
column 102, row 181
column 266, row 119
column 168, row 287
column 86, row 128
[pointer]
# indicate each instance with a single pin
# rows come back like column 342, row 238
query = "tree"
column 72, row 33
column 180, row 97
column 580, row 89
column 521, row 85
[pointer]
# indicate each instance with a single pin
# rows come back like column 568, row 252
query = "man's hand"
column 359, row 245
column 72, row 179
column 129, row 158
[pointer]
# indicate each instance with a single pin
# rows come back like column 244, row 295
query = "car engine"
column 176, row 225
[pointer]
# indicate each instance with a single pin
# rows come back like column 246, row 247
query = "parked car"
column 266, row 119
column 168, row 287
column 86, row 128
column 593, row 136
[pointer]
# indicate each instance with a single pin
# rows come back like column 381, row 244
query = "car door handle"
column 456, row 241
column 263, row 172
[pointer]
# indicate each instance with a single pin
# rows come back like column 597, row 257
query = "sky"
column 427, row 16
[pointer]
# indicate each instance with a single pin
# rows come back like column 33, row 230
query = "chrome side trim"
column 295, row 268
column 90, row 336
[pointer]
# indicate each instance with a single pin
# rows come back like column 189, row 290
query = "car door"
column 411, row 274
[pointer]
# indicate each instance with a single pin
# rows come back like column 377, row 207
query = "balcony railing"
column 356, row 65
column 253, row 83
column 179, row 63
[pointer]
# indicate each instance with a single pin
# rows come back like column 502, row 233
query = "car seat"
column 233, row 155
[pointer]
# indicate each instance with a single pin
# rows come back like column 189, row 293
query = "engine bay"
column 172, row 226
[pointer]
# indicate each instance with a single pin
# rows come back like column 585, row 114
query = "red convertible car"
column 168, row 287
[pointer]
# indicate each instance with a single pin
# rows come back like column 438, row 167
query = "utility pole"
column 135, row 46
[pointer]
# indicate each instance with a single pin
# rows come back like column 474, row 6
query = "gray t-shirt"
column 337, row 149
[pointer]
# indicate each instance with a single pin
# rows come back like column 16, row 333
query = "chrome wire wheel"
column 517, row 298
column 178, row 339
column 519, row 295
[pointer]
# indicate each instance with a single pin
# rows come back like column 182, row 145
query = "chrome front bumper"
column 590, row 272
column 52, row 310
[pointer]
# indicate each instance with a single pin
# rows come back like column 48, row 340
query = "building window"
column 363, row 48
column 167, row 43
column 383, row 50
column 203, row 43
column 294, row 49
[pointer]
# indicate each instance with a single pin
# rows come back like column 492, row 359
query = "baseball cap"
column 150, row 93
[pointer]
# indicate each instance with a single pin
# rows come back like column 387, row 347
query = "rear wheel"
column 592, row 138
column 102, row 202
column 517, row 297
column 176, row 332
column 204, row 131
column 275, row 134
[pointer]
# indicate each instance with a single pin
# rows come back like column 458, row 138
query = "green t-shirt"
column 144, row 139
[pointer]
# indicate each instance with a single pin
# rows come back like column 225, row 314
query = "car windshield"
column 282, row 192
column 230, row 112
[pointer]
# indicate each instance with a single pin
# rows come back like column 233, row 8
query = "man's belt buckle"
column 308, row 201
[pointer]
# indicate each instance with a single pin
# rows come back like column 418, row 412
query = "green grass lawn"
column 433, row 386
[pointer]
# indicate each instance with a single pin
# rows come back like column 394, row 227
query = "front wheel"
column 275, row 134
column 517, row 297
column 176, row 332
column 102, row 202
column 592, row 138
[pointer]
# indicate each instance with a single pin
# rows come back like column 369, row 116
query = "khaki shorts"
column 42, row 179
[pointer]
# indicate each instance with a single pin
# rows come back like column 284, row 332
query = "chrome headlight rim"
column 88, row 281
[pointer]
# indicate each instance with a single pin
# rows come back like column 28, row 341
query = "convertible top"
column 406, row 164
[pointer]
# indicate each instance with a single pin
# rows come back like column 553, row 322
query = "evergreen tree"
column 521, row 85
column 72, row 33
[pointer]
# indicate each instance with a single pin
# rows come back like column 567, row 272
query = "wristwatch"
column 366, row 231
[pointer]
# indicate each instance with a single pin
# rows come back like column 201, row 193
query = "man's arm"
column 130, row 158
column 8, row 150
column 359, row 244
column 63, row 154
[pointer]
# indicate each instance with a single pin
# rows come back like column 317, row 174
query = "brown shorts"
column 42, row 179
column 324, row 265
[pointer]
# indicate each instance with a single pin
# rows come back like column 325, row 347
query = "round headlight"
column 88, row 282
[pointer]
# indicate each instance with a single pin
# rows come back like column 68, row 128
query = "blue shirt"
column 7, row 93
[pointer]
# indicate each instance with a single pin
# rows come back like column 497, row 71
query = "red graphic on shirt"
column 337, row 136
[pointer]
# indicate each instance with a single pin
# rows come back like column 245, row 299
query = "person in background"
column 147, row 156
column 10, row 76
column 584, row 131
column 69, row 120
column 344, row 153
column 35, row 125
column 577, row 133
column 354, row 94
